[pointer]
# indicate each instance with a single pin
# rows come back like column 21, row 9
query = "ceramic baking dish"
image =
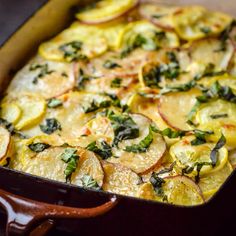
column 35, row 205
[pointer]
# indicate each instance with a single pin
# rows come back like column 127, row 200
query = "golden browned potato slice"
column 212, row 51
column 210, row 183
column 32, row 107
column 5, row 146
column 105, row 11
column 75, row 43
column 147, row 107
column 120, row 180
column 158, row 14
column 174, row 108
column 88, row 165
column 145, row 161
column 177, row 190
column 189, row 156
column 220, row 117
column 195, row 22
column 46, row 78
column 10, row 112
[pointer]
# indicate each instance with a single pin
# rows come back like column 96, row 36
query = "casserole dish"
column 47, row 211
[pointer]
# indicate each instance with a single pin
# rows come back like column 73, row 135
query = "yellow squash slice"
column 5, row 146
column 120, row 180
column 189, row 156
column 158, row 14
column 220, row 117
column 106, row 10
column 75, row 43
column 232, row 158
column 46, row 78
column 210, row 184
column 177, row 190
column 195, row 22
column 149, row 36
column 174, row 108
column 10, row 112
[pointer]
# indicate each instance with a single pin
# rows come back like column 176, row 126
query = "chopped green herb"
column 72, row 50
column 116, row 83
column 38, row 147
column 108, row 64
column 124, row 127
column 70, row 157
column 153, row 77
column 182, row 87
column 157, row 184
column 205, row 30
column 104, row 151
column 143, row 145
column 158, row 16
column 94, row 106
column 215, row 151
column 218, row 116
column 82, row 79
column 200, row 137
column 169, row 132
column 89, row 182
column 64, row 74
column 167, row 170
column 54, row 102
column 43, row 70
column 51, row 126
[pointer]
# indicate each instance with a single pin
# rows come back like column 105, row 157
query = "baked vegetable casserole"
column 133, row 98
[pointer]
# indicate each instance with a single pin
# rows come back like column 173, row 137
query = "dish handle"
column 23, row 214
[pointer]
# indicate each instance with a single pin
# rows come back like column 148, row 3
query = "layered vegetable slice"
column 75, row 43
column 195, row 22
column 6, row 150
column 105, row 11
column 175, row 108
column 195, row 158
column 160, row 15
column 119, row 179
column 178, row 190
column 46, row 78
column 10, row 112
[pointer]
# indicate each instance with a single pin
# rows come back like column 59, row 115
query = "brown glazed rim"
column 24, row 213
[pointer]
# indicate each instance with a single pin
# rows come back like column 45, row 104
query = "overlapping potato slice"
column 105, row 11
column 46, row 78
column 32, row 109
column 119, row 179
column 195, row 22
column 159, row 14
column 197, row 157
column 121, row 67
column 212, row 51
column 147, row 36
column 147, row 107
column 178, row 190
column 5, row 146
column 220, row 117
column 75, row 43
column 210, row 184
column 174, row 108
column 10, row 112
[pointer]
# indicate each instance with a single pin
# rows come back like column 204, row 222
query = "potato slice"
column 211, row 183
column 174, row 108
column 142, row 162
column 105, row 11
column 147, row 107
column 187, row 155
column 220, row 117
column 120, row 180
column 88, row 165
column 195, row 22
column 177, row 190
column 158, row 14
column 211, row 51
column 10, row 112
column 5, row 147
column 46, row 78
column 74, row 43
column 153, row 36
column 33, row 108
